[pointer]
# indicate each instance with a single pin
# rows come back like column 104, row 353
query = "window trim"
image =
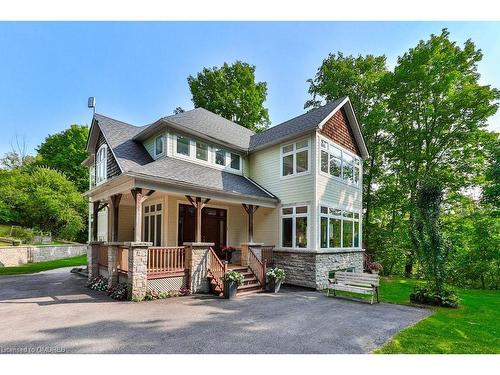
column 342, row 218
column 294, row 153
column 101, row 165
column 155, row 213
column 343, row 150
column 162, row 146
column 293, row 216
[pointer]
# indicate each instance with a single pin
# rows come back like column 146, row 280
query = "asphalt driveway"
column 53, row 312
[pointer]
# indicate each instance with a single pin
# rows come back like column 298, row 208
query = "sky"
column 138, row 70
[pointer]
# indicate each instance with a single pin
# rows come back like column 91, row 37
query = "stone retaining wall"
column 310, row 269
column 16, row 255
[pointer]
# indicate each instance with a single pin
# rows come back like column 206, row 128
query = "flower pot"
column 230, row 289
column 273, row 285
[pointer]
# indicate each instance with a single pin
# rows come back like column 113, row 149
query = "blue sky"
column 137, row 71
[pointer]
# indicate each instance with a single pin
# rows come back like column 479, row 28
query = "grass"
column 472, row 328
column 44, row 266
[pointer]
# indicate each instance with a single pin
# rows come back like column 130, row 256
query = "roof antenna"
column 91, row 103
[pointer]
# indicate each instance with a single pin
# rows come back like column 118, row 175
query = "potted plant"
column 227, row 253
column 375, row 267
column 275, row 277
column 232, row 280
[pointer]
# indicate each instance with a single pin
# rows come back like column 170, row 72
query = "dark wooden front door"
column 213, row 225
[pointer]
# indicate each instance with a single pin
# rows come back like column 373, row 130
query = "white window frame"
column 294, row 216
column 101, row 165
column 162, row 137
column 149, row 214
column 343, row 151
column 294, row 153
column 342, row 219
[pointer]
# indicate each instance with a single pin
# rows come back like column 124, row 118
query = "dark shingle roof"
column 118, row 134
column 295, row 126
column 202, row 177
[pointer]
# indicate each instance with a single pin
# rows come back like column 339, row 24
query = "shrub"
column 276, row 274
column 375, row 267
column 153, row 294
column 427, row 296
column 26, row 235
column 237, row 277
column 118, row 292
column 99, row 283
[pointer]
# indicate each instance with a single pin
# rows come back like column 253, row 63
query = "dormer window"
column 101, row 164
column 159, row 146
column 183, row 145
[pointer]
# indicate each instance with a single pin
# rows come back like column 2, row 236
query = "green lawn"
column 44, row 266
column 474, row 327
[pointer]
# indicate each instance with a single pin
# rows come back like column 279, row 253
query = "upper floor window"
column 294, row 226
column 339, row 228
column 295, row 158
column 235, row 162
column 159, row 145
column 201, row 151
column 101, row 162
column 339, row 163
column 183, row 145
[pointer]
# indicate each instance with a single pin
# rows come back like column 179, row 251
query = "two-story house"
column 195, row 183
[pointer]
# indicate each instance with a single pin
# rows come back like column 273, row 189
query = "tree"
column 359, row 78
column 65, row 151
column 436, row 107
column 231, row 92
column 17, row 156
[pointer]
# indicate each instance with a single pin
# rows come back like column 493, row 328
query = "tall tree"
column 436, row 106
column 65, row 152
column 231, row 91
column 359, row 78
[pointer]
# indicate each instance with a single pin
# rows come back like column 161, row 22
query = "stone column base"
column 92, row 258
column 137, row 269
column 197, row 261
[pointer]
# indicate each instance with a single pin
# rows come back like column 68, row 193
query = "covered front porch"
column 153, row 236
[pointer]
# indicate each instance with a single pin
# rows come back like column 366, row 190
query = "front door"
column 213, row 225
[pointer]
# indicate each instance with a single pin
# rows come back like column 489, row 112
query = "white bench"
column 355, row 282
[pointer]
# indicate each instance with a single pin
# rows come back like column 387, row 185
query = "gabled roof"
column 204, row 124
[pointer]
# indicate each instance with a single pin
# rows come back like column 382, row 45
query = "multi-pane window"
column 294, row 227
column 235, row 161
column 159, row 145
column 295, row 158
column 339, row 163
column 220, row 156
column 339, row 228
column 152, row 223
column 183, row 145
column 101, row 164
column 201, row 151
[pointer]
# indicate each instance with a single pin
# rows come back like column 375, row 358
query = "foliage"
column 99, row 283
column 45, row 199
column 64, row 152
column 13, row 160
column 277, row 274
column 153, row 294
column 429, row 296
column 44, row 266
column 118, row 292
column 234, row 276
column 26, row 235
column 231, row 91
column 375, row 267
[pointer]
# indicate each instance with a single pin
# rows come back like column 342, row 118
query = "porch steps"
column 250, row 282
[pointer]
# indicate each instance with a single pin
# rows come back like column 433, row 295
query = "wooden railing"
column 257, row 267
column 102, row 256
column 166, row 261
column 122, row 259
column 216, row 269
column 267, row 254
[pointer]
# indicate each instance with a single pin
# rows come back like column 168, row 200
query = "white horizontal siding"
column 337, row 193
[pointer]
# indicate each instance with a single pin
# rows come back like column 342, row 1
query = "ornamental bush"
column 237, row 277
column 276, row 274
column 118, row 292
column 99, row 283
column 428, row 296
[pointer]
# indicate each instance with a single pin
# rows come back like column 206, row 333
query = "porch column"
column 115, row 206
column 250, row 210
column 197, row 203
column 137, row 269
column 138, row 199
column 245, row 252
column 198, row 262
column 95, row 214
column 112, row 264
column 92, row 258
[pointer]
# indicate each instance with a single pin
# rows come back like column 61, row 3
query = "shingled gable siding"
column 337, row 128
column 113, row 168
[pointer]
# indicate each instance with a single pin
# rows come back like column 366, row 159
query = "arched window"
column 101, row 163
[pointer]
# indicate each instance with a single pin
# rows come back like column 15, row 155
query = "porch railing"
column 166, row 261
column 216, row 269
column 102, row 256
column 267, row 254
column 257, row 267
column 122, row 259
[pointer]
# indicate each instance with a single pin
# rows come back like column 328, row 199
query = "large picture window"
column 295, row 158
column 339, row 163
column 294, row 226
column 339, row 228
column 101, row 164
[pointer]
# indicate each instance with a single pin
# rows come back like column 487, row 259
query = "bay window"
column 339, row 228
column 294, row 226
column 339, row 163
column 295, row 158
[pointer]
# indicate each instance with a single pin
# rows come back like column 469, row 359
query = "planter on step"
column 230, row 289
column 273, row 286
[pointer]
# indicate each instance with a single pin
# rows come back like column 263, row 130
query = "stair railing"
column 258, row 268
column 216, row 268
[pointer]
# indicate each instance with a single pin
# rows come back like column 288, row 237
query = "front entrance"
column 213, row 226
